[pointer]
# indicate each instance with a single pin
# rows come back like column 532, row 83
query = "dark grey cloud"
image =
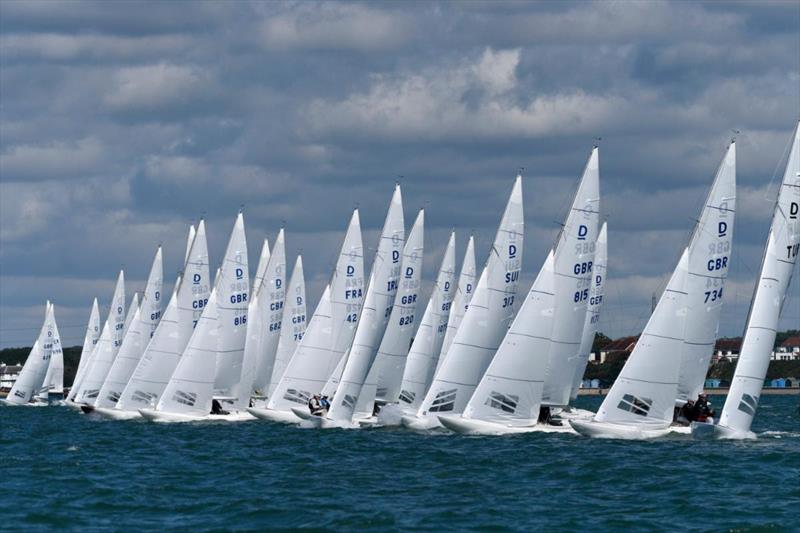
column 120, row 126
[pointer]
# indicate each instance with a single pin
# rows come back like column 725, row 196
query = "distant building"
column 8, row 376
column 727, row 348
column 623, row 345
column 789, row 350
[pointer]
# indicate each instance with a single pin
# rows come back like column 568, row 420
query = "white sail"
column 330, row 330
column 89, row 342
column 593, row 311
column 428, row 341
column 293, row 324
column 464, row 291
column 644, row 394
column 777, row 267
column 30, row 379
column 54, row 378
column 272, row 296
column 708, row 269
column 145, row 320
column 189, row 241
column 393, row 351
column 263, row 261
column 107, row 347
column 233, row 294
column 486, row 320
column 161, row 355
column 375, row 313
column 572, row 265
column 510, row 391
column 129, row 315
column 190, row 389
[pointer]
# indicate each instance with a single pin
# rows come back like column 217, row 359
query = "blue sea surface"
column 68, row 471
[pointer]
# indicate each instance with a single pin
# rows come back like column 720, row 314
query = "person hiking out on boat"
column 315, row 406
column 325, row 403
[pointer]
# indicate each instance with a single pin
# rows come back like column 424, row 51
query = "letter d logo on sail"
column 395, row 256
column 196, row 279
column 582, row 232
column 793, row 209
column 239, row 273
column 512, row 251
column 409, row 272
column 350, row 271
column 723, row 229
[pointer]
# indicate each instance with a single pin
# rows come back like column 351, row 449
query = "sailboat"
column 546, row 331
column 681, row 330
column 164, row 350
column 374, row 317
column 329, row 333
column 293, row 324
column 89, row 342
column 145, row 320
column 52, row 390
column 777, row 266
column 428, row 341
column 484, row 325
column 214, row 347
column 383, row 381
column 107, row 346
column 30, row 379
column 464, row 291
column 596, row 293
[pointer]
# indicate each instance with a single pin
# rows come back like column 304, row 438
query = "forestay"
column 593, row 310
column 293, row 324
column 375, row 313
column 145, row 321
column 777, row 265
column 487, row 318
column 427, row 345
column 169, row 340
column 572, row 266
column 330, row 330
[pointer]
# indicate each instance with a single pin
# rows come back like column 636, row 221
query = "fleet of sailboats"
column 473, row 359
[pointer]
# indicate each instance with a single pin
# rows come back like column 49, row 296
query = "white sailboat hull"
column 273, row 415
column 706, row 431
column 420, row 423
column 117, row 414
column 166, row 417
column 469, row 426
column 606, row 430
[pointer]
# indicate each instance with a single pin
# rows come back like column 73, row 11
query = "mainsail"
column 89, row 342
column 593, row 310
column 31, row 377
column 293, row 324
column 464, row 291
column 427, row 344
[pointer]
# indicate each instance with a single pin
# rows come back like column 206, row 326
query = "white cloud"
column 154, row 87
column 59, row 159
column 64, row 46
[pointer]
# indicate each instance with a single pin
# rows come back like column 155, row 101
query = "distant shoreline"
column 719, row 391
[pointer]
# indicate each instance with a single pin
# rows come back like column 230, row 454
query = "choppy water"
column 65, row 470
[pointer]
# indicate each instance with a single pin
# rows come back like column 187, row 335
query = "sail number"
column 581, row 295
column 406, row 320
column 712, row 296
column 717, row 264
column 792, row 250
column 508, row 301
column 582, row 268
column 238, row 298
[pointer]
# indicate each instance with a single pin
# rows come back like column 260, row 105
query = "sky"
column 122, row 123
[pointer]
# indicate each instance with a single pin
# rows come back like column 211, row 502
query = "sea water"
column 69, row 471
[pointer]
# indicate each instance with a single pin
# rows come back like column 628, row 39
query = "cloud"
column 54, row 160
column 335, row 26
column 159, row 87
